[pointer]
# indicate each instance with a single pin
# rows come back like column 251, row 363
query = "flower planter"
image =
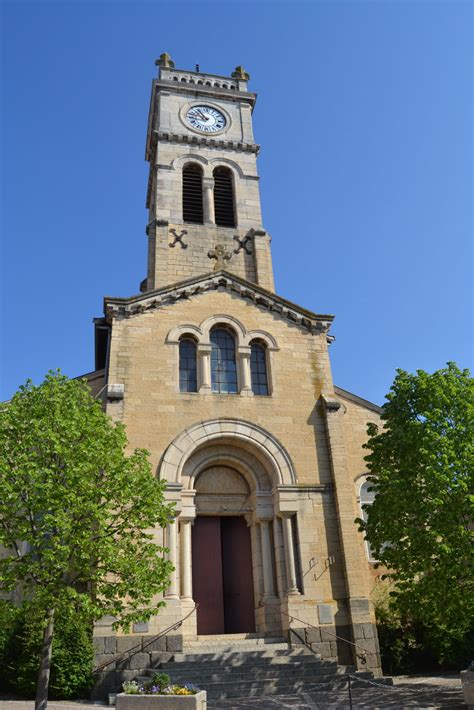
column 126, row 701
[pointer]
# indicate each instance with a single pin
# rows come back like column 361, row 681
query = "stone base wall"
column 141, row 652
column 366, row 636
column 323, row 641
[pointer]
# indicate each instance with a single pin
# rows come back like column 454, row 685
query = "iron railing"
column 142, row 646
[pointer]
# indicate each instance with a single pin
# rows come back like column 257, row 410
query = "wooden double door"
column 222, row 575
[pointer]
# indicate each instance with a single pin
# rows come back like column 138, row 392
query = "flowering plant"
column 160, row 685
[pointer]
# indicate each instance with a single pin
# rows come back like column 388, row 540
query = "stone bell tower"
column 203, row 195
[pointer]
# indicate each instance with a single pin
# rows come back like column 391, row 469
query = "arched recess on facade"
column 182, row 160
column 221, row 319
column 179, row 331
column 254, row 451
column 262, row 335
column 226, row 163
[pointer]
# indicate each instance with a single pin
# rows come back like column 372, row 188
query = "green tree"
column 420, row 523
column 76, row 512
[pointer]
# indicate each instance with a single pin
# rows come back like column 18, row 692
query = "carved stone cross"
column 221, row 255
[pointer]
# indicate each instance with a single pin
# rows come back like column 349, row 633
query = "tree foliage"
column 77, row 512
column 420, row 523
column 20, row 650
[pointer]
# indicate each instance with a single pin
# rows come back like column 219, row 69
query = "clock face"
column 205, row 119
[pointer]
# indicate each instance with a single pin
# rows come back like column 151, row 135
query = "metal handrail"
column 140, row 646
column 361, row 656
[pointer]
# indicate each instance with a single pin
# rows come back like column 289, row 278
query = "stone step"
column 225, row 638
column 244, row 653
column 223, row 689
column 229, row 648
column 223, row 675
column 182, row 662
column 241, row 643
column 220, row 691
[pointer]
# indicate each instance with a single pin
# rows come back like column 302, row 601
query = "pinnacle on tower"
column 165, row 61
column 240, row 73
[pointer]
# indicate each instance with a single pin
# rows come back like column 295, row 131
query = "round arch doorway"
column 222, row 554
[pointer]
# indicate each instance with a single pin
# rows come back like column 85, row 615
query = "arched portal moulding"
column 238, row 432
column 224, row 452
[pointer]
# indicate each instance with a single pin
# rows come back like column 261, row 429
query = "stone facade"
column 290, row 462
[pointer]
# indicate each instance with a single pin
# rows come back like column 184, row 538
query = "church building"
column 229, row 386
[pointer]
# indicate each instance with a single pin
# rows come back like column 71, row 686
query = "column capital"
column 187, row 519
column 243, row 350
column 204, row 348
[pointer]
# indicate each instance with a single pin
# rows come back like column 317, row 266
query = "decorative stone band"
column 125, row 308
column 241, row 147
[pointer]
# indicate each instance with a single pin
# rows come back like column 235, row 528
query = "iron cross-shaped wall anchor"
column 248, row 238
column 178, row 238
column 221, row 255
column 243, row 244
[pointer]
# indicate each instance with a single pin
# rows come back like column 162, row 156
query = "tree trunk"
column 41, row 702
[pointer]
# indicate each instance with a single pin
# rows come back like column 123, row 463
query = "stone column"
column 172, row 592
column 289, row 555
column 278, row 558
column 245, row 376
column 204, row 354
column 186, row 560
column 267, row 562
column 208, row 200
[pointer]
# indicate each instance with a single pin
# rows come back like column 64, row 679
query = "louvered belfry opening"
column 192, row 194
column 224, row 198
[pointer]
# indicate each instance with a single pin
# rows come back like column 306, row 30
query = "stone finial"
column 240, row 73
column 221, row 255
column 165, row 61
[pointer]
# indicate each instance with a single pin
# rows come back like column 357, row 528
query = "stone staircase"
column 248, row 665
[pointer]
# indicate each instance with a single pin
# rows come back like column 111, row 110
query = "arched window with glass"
column 223, row 362
column 193, row 210
column 187, row 365
column 258, row 368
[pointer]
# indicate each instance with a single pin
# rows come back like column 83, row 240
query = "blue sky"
column 365, row 120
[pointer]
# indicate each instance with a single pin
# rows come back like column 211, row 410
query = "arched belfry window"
column 258, row 368
column 224, row 208
column 192, row 194
column 187, row 365
column 223, row 362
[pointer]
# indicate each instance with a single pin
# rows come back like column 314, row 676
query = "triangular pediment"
column 219, row 280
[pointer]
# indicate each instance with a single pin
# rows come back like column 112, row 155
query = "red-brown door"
column 222, row 575
column 237, row 576
column 207, row 575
